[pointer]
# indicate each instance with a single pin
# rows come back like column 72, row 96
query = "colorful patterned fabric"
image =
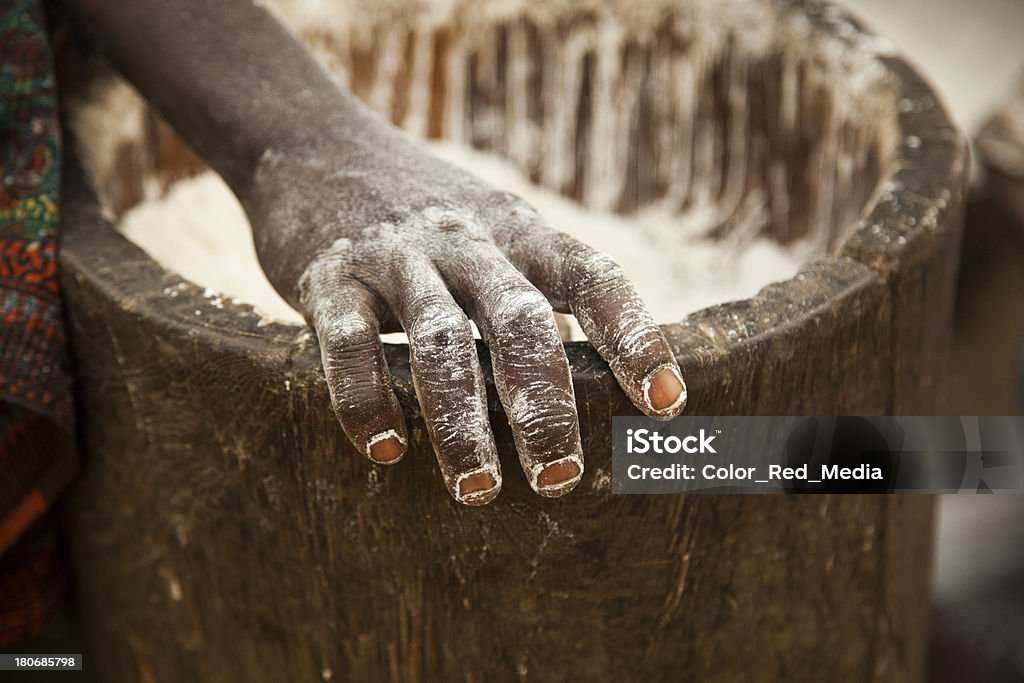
column 36, row 410
column 33, row 583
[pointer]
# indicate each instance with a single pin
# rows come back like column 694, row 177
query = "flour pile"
column 200, row 231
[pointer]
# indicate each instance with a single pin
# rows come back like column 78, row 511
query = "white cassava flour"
column 199, row 230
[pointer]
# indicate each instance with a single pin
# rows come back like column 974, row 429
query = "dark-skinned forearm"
column 356, row 225
column 226, row 75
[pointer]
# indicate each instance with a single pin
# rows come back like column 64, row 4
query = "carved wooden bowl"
column 223, row 528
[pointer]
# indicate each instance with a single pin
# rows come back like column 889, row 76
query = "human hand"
column 364, row 232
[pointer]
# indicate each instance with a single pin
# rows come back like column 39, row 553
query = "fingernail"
column 559, row 477
column 386, row 448
column 477, row 488
column 665, row 390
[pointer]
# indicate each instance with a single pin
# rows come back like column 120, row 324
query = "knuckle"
column 345, row 327
column 593, row 272
column 350, row 354
column 353, row 392
column 439, row 324
column 352, row 367
column 326, row 272
column 448, row 221
column 345, row 333
column 521, row 311
column 511, row 204
column 544, row 414
column 585, row 261
column 518, row 227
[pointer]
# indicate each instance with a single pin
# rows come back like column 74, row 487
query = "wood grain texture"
column 223, row 528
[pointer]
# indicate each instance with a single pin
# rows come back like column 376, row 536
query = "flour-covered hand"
column 364, row 231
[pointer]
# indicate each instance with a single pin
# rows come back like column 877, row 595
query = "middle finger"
column 448, row 380
column 531, row 371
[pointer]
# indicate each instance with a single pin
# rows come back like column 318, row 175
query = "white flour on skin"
column 200, row 231
column 362, row 207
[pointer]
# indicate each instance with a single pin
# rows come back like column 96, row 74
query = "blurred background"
column 973, row 53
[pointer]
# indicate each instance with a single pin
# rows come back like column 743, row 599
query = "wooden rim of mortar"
column 910, row 204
